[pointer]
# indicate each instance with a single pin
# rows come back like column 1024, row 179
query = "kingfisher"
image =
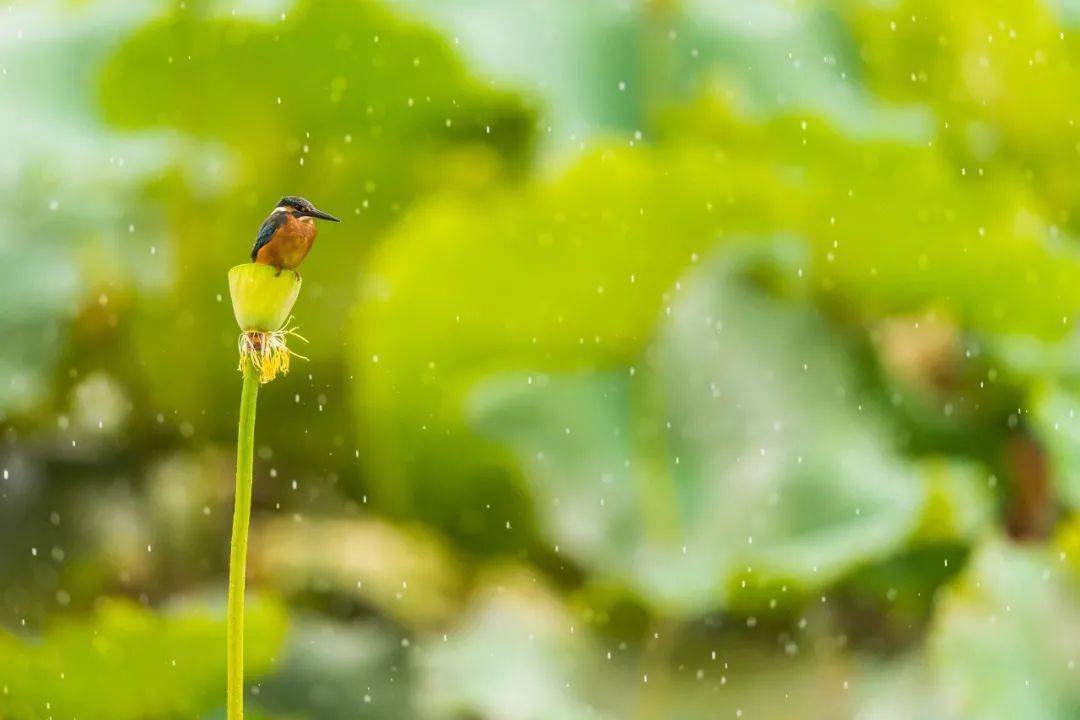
column 288, row 233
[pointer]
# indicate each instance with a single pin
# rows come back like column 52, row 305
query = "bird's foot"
column 278, row 273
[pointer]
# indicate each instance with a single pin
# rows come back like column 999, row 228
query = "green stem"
column 245, row 446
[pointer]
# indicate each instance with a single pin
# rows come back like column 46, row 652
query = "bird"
column 287, row 234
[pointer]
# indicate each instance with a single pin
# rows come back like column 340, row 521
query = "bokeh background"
column 674, row 359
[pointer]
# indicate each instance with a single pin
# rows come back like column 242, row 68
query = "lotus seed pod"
column 261, row 298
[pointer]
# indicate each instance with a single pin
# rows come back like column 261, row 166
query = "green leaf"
column 469, row 285
column 520, row 653
column 613, row 66
column 513, row 656
column 738, row 445
column 1006, row 642
column 334, row 670
column 69, row 188
column 128, row 663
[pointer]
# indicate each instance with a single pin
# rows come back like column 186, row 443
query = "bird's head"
column 300, row 207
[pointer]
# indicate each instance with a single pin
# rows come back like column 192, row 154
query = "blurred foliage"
column 125, row 661
column 675, row 359
column 1005, row 640
column 706, row 466
column 406, row 574
column 335, row 669
column 518, row 632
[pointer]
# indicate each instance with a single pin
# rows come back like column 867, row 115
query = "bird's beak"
column 320, row 214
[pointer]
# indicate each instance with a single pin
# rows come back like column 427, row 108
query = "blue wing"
column 266, row 232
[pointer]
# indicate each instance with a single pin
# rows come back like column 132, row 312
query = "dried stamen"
column 269, row 351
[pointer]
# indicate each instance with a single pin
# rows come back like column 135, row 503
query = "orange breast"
column 289, row 245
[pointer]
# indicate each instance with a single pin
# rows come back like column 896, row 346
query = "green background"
column 673, row 360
